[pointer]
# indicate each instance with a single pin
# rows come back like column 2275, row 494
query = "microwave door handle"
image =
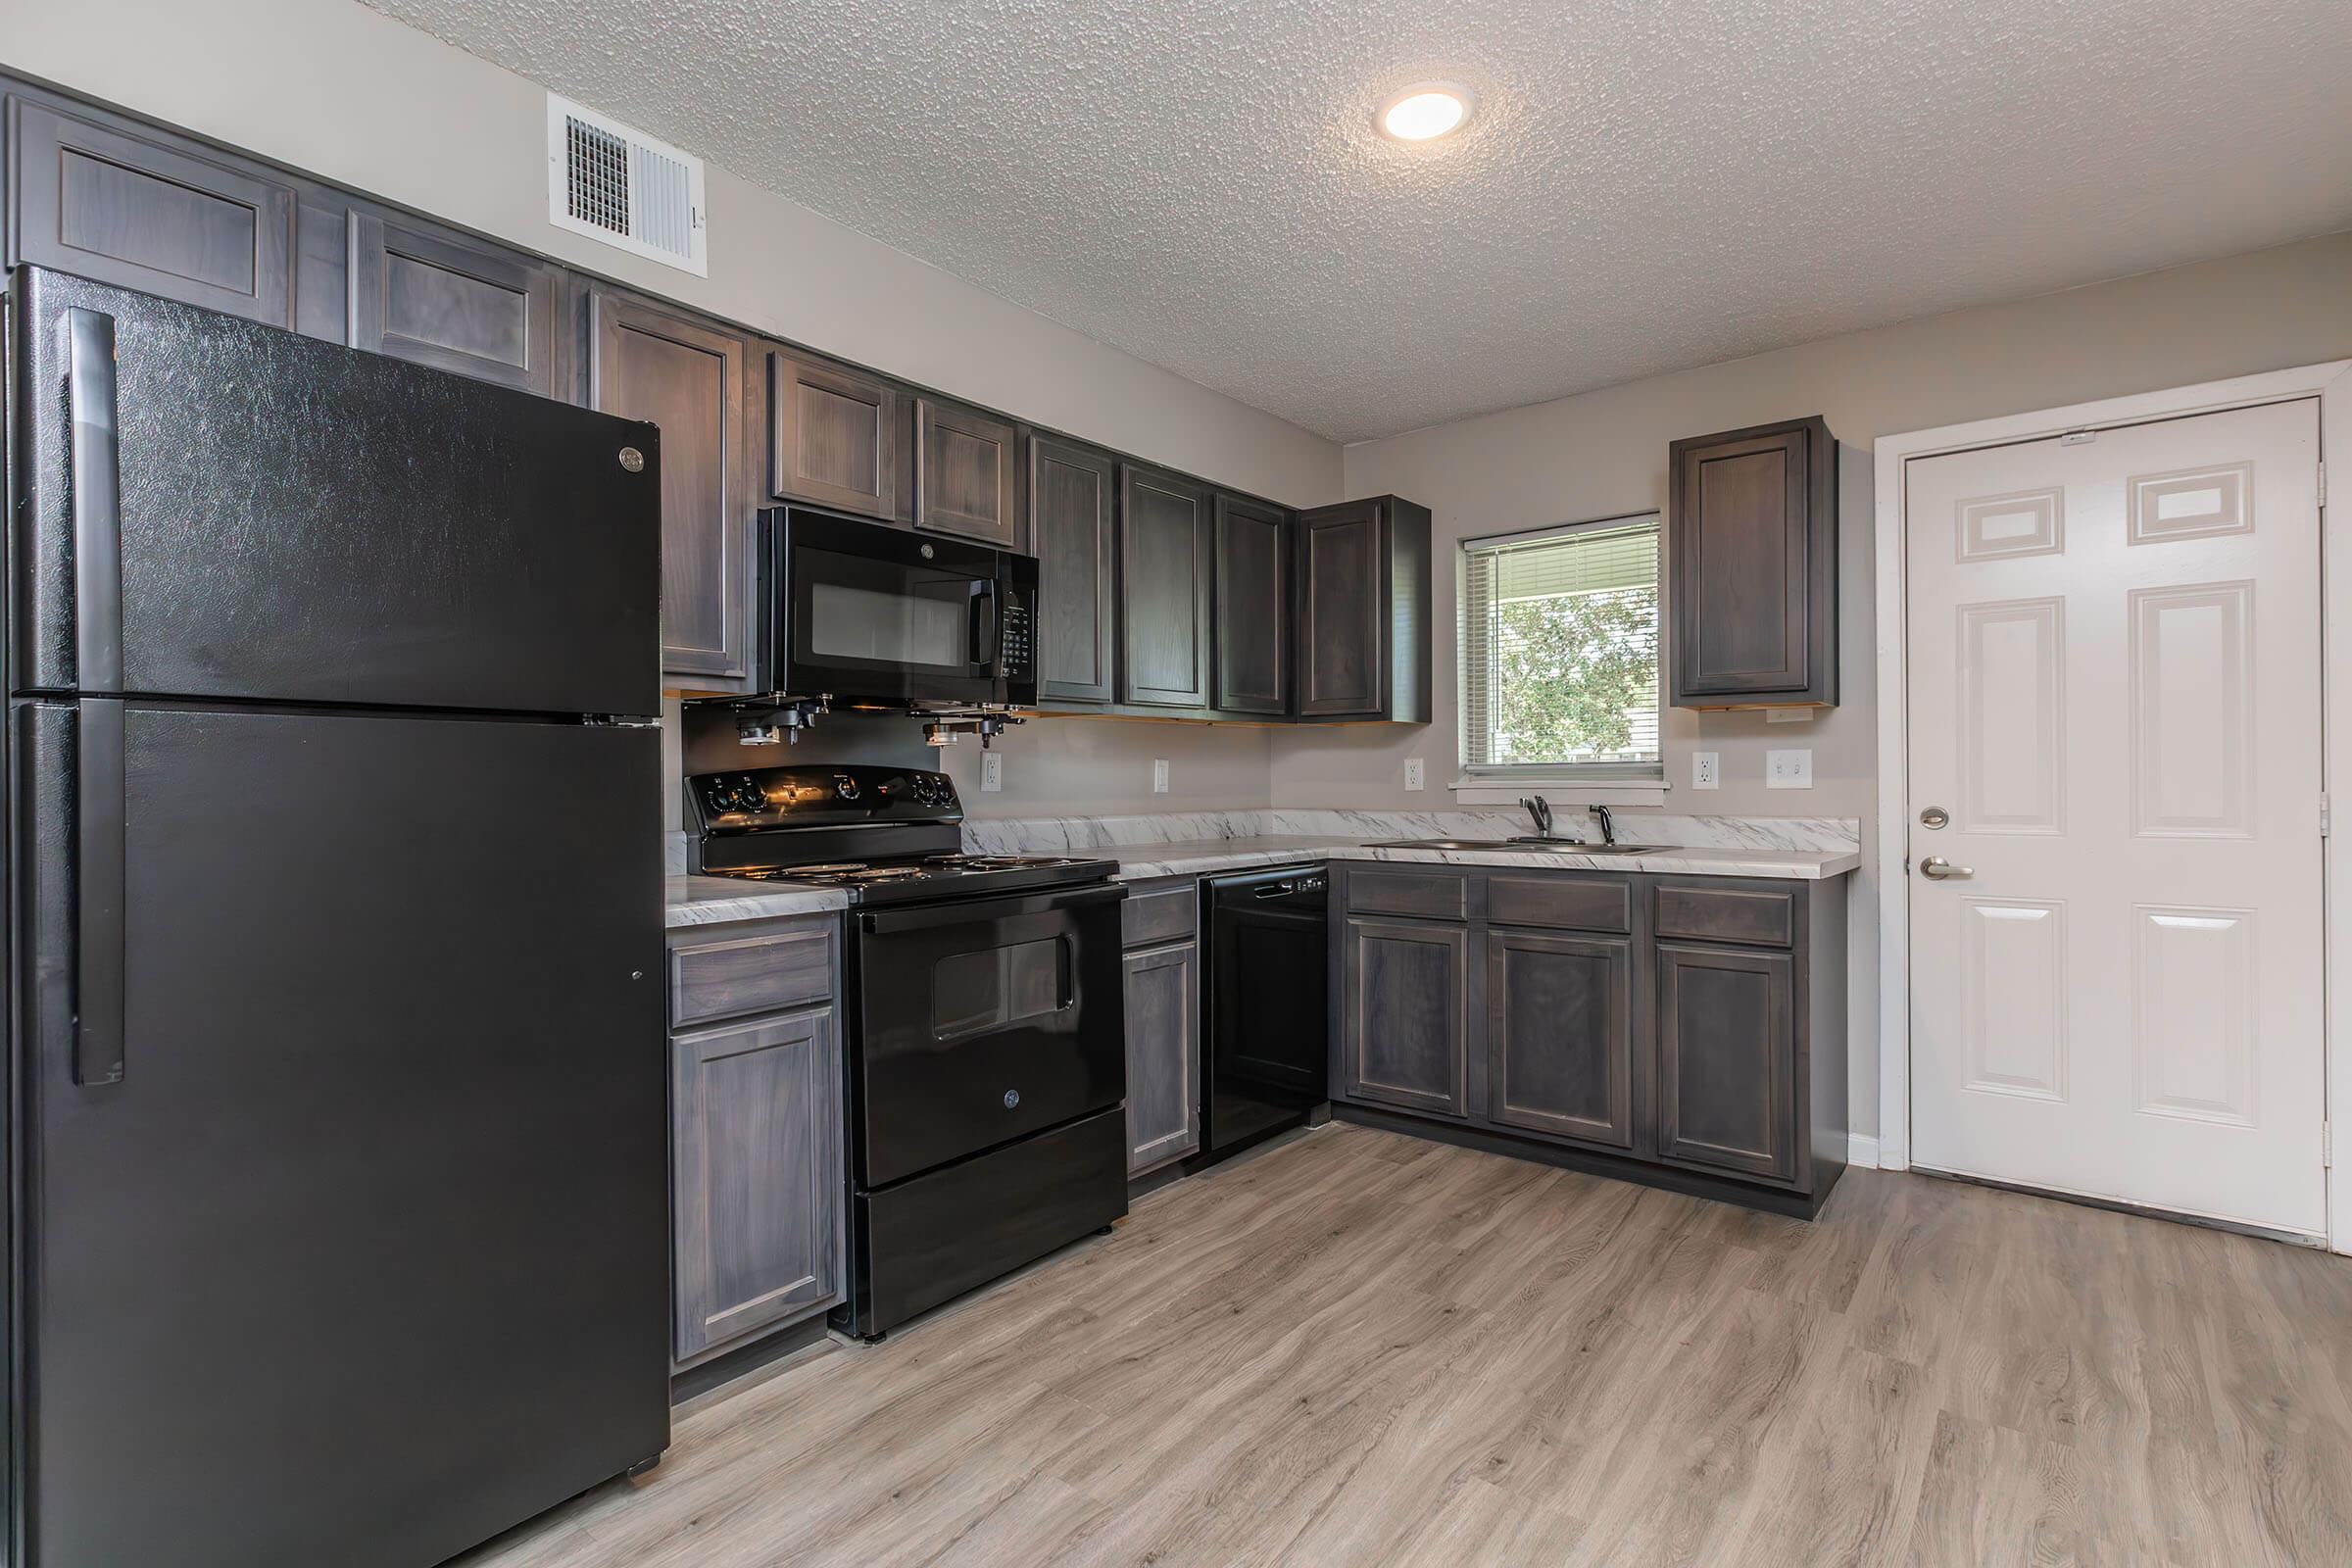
column 984, row 624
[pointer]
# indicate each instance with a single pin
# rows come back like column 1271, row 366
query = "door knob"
column 1935, row 868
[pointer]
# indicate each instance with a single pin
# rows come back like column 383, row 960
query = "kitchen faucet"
column 1608, row 828
column 1539, row 811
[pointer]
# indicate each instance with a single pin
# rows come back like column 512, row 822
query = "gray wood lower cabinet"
column 1562, row 1051
column 1693, row 1034
column 757, row 1167
column 1164, row 1055
column 755, row 1130
column 1726, row 1074
column 1405, row 1037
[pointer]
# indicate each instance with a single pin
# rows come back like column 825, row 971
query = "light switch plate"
column 1788, row 770
column 992, row 770
column 1159, row 775
column 1706, row 771
column 1415, row 775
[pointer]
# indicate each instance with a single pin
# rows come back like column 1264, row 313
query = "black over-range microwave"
column 861, row 612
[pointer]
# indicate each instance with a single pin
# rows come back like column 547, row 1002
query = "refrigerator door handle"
column 99, row 810
column 94, row 497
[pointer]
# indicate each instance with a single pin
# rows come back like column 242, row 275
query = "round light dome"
column 1425, row 112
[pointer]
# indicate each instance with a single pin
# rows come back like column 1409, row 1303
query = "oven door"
column 864, row 613
column 983, row 1022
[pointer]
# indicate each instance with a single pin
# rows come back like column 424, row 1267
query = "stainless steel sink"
column 1528, row 843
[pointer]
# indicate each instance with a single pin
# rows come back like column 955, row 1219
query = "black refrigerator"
column 338, row 1196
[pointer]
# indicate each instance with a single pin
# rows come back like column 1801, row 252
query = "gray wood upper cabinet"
column 1164, row 1055
column 967, row 474
column 1165, row 570
column 1363, row 612
column 148, row 211
column 452, row 303
column 686, row 374
column 1563, row 1052
column 1752, row 541
column 1073, row 511
column 758, row 1177
column 1727, row 1059
column 1405, row 1015
column 837, row 436
column 1253, row 595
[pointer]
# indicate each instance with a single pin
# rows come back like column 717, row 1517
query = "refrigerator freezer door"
column 363, row 1257
column 223, row 510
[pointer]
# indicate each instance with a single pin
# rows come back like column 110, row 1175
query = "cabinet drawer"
column 727, row 978
column 1159, row 913
column 1575, row 905
column 1761, row 914
column 1432, row 896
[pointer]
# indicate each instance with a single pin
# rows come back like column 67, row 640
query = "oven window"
column 972, row 993
column 913, row 621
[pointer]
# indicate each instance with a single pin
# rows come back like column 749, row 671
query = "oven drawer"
column 983, row 1022
column 930, row 1240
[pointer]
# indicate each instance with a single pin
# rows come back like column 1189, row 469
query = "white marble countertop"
column 1140, row 860
column 720, row 901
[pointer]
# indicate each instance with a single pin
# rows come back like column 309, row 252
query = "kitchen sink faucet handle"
column 1608, row 824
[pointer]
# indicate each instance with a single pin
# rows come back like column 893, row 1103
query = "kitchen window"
column 1560, row 654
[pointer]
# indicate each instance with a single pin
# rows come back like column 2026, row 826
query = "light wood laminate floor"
column 1365, row 1348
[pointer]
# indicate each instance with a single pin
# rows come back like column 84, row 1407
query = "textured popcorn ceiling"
column 1649, row 184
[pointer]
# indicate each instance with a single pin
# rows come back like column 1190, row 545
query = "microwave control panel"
column 1018, row 647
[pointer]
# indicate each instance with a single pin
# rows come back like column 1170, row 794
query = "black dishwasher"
column 1265, row 1067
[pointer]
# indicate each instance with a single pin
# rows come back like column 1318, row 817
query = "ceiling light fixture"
column 1425, row 111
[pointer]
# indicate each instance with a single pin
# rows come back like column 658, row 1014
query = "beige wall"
column 1605, row 453
column 353, row 96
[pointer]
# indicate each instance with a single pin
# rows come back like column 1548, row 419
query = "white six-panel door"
column 2115, row 701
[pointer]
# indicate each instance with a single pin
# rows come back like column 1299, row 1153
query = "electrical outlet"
column 1706, row 771
column 992, row 770
column 1159, row 775
column 1415, row 776
column 1788, row 770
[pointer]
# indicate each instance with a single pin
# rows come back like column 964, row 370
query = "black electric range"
column 881, row 835
column 985, row 1025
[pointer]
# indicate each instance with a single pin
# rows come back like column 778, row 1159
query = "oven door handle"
column 1045, row 900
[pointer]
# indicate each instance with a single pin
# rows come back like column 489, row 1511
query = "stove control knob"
column 845, row 786
column 750, row 797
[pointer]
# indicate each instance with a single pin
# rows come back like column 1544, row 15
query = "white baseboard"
column 1862, row 1150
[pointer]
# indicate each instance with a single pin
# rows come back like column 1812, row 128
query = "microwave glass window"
column 920, row 624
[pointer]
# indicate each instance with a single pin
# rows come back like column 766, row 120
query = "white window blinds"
column 1559, row 643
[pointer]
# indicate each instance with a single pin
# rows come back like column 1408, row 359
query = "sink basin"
column 1567, row 845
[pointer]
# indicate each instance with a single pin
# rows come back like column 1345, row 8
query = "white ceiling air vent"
column 621, row 186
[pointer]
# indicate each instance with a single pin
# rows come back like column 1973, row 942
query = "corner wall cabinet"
column 1362, row 633
column 1751, row 537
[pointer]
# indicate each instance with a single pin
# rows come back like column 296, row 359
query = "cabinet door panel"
column 150, row 213
column 459, row 307
column 1560, row 1035
column 1253, row 610
column 836, row 438
column 757, row 1141
column 1163, row 1055
column 966, row 473
column 1752, row 541
column 1404, row 1022
column 1072, row 503
column 1164, row 571
column 687, row 377
column 1726, row 1071
column 1342, row 608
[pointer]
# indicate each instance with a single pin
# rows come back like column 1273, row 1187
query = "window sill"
column 1582, row 791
